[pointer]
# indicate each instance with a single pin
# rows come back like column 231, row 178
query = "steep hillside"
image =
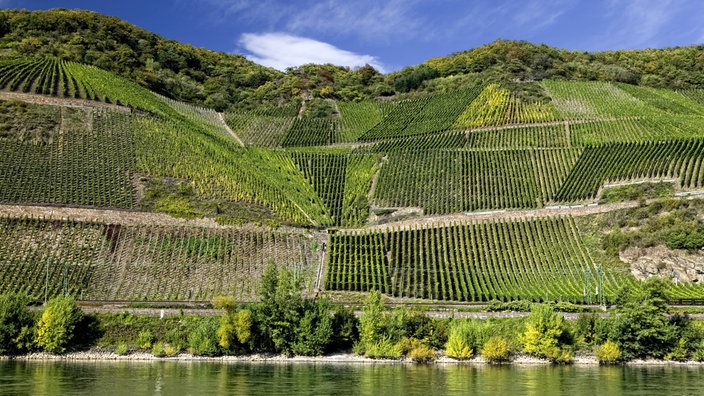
column 481, row 188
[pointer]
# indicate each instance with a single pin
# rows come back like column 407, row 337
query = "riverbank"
column 580, row 359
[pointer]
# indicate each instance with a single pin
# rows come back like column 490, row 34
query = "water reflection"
column 197, row 378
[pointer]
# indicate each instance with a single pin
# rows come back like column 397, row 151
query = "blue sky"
column 392, row 34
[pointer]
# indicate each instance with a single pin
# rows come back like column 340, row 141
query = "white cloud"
column 371, row 20
column 640, row 23
column 281, row 50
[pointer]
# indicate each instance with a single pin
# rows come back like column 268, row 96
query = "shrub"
column 496, row 350
column 545, row 334
column 235, row 329
column 16, row 323
column 122, row 349
column 158, row 349
column 608, row 353
column 144, row 339
column 371, row 323
column 202, row 340
column 422, row 354
column 315, row 330
column 471, row 333
column 698, row 353
column 457, row 347
column 55, row 329
column 383, row 348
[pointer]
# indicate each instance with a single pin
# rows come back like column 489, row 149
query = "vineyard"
column 508, row 260
column 448, row 181
column 327, row 164
column 99, row 261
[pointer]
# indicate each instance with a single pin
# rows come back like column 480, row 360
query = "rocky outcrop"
column 678, row 265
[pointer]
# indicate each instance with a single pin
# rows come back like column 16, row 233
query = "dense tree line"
column 220, row 81
column 283, row 322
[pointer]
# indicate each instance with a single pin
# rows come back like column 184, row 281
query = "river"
column 208, row 378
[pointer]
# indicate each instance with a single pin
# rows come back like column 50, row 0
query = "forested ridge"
column 218, row 80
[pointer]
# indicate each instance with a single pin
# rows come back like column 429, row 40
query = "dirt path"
column 56, row 101
column 227, row 127
column 146, row 218
column 427, row 221
column 103, row 215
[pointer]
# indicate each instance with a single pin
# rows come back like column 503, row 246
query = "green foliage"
column 545, row 334
column 315, row 330
column 608, row 353
column 346, row 329
column 639, row 326
column 416, row 350
column 16, row 324
column 202, row 341
column 383, row 348
column 372, row 322
column 496, row 350
column 467, row 336
column 634, row 192
column 457, row 347
column 55, row 329
column 145, row 339
column 686, row 239
column 122, row 349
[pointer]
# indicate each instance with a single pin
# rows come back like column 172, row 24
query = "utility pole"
column 46, row 282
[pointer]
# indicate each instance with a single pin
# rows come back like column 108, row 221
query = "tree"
column 315, row 330
column 55, row 329
column 372, row 321
column 639, row 325
column 15, row 323
column 279, row 311
column 545, row 334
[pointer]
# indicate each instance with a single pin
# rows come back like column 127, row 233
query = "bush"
column 608, row 353
column 422, row 353
column 158, row 349
column 315, row 330
column 122, row 349
column 55, row 329
column 235, row 329
column 144, row 339
column 383, row 348
column 545, row 334
column 698, row 353
column 372, row 321
column 16, row 324
column 203, row 340
column 457, row 347
column 496, row 350
column 416, row 349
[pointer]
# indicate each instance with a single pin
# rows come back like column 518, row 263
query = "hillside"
column 220, row 81
column 552, row 190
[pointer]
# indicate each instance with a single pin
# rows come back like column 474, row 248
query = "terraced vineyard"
column 86, row 160
column 485, row 148
column 507, row 260
column 99, row 261
column 430, row 114
column 627, row 161
column 447, row 181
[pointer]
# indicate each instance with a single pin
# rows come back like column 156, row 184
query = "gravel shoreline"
column 518, row 359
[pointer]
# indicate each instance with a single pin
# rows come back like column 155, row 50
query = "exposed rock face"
column 679, row 265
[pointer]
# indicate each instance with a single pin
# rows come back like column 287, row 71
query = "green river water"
column 207, row 378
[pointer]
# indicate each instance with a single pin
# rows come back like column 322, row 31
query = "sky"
column 392, row 34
